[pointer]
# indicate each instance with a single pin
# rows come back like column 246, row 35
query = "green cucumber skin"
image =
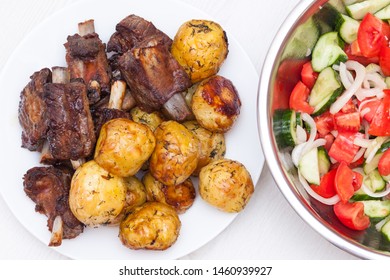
column 328, row 51
column 327, row 105
column 282, row 126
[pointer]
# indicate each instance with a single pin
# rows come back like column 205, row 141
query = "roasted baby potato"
column 180, row 197
column 212, row 144
column 176, row 154
column 226, row 184
column 135, row 196
column 124, row 146
column 153, row 226
column 216, row 104
column 152, row 120
column 96, row 197
column 201, row 47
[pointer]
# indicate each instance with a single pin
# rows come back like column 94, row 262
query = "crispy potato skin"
column 96, row 197
column 152, row 120
column 212, row 144
column 216, row 104
column 201, row 47
column 226, row 184
column 180, row 197
column 176, row 154
column 152, row 226
column 124, row 146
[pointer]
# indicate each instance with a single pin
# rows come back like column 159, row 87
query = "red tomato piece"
column 369, row 108
column 380, row 123
column 384, row 163
column 289, row 73
column 347, row 122
column 326, row 188
column 343, row 148
column 324, row 123
column 384, row 60
column 352, row 215
column 357, row 179
column 329, row 138
column 349, row 107
column 344, row 182
column 372, row 35
column 308, row 75
column 353, row 52
column 298, row 99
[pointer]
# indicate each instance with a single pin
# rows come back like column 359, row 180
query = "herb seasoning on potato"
column 226, row 184
column 201, row 47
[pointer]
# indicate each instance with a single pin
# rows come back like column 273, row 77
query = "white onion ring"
column 374, row 147
column 361, row 142
column 343, row 99
column 327, row 201
column 359, row 154
column 343, row 76
column 375, row 194
column 362, row 93
column 301, row 134
column 376, row 79
column 297, row 152
column 313, row 128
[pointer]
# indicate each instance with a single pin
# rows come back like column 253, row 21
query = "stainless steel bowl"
column 273, row 88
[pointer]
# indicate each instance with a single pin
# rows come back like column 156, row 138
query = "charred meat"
column 49, row 188
column 32, row 111
column 87, row 59
column 152, row 74
column 131, row 31
column 71, row 132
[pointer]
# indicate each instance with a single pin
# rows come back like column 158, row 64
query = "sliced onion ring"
column 376, row 194
column 360, row 71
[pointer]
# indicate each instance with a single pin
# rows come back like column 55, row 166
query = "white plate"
column 43, row 47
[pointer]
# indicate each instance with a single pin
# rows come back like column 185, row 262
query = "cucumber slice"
column 373, row 164
column 308, row 166
column 377, row 209
column 323, row 161
column 325, row 91
column 374, row 181
column 385, row 230
column 359, row 10
column 303, row 40
column 284, row 127
column 338, row 5
column 328, row 15
column 328, row 51
column 349, row 2
column 347, row 28
column 384, row 147
column 360, row 195
column 386, row 178
column 384, row 13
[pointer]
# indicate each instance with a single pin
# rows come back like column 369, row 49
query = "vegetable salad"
column 337, row 124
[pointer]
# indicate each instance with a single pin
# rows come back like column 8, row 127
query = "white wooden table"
column 268, row 228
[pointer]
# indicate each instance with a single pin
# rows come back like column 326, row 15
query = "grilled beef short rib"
column 152, row 74
column 32, row 111
column 131, row 31
column 87, row 59
column 49, row 188
column 71, row 132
